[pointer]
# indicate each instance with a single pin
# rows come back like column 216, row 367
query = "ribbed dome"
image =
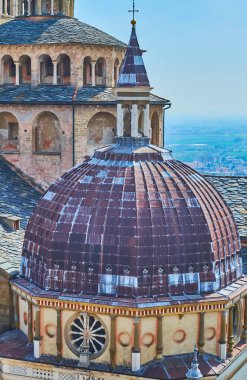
column 132, row 221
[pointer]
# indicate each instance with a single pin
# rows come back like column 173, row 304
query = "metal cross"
column 134, row 10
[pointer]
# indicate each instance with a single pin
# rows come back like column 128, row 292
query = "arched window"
column 25, row 69
column 116, row 71
column 46, row 69
column 8, row 70
column 155, row 129
column 100, row 72
column 9, row 130
column 47, row 131
column 87, row 71
column 127, row 121
column 141, row 121
column 63, row 69
column 102, row 129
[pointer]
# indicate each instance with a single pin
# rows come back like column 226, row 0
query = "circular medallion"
column 179, row 336
column 50, row 330
column 124, row 339
column 148, row 340
column 210, row 333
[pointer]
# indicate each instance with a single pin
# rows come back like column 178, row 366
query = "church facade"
column 57, row 89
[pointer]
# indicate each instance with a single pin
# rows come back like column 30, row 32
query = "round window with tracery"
column 84, row 329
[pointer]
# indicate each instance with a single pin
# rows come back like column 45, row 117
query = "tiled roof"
column 133, row 72
column 16, row 198
column 134, row 218
column 14, row 345
column 26, row 94
column 57, row 30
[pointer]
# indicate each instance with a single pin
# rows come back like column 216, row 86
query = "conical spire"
column 133, row 72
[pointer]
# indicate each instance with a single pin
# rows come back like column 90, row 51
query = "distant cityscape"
column 215, row 147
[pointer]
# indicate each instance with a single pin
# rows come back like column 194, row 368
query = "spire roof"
column 133, row 72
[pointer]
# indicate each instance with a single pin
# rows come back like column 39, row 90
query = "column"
column 244, row 335
column 159, row 348
column 223, row 337
column 230, row 333
column 59, row 335
column 29, row 7
column 30, row 323
column 17, row 73
column 147, row 121
column 37, row 337
column 52, row 7
column 201, row 342
column 113, row 342
column 5, row 7
column 134, row 121
column 54, row 72
column 93, row 73
column 16, row 322
column 120, row 120
column 1, row 7
column 136, row 353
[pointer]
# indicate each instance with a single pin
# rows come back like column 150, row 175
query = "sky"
column 196, row 49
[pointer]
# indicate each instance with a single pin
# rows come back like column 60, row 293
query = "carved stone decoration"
column 86, row 335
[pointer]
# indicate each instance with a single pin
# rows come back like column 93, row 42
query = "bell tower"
column 27, row 8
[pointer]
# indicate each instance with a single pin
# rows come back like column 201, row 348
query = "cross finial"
column 134, row 11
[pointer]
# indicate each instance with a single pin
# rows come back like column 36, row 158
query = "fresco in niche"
column 47, row 133
column 9, row 128
column 102, row 129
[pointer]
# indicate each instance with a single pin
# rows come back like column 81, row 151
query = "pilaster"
column 230, row 333
column 201, row 342
column 223, row 337
column 93, row 73
column 120, row 120
column 136, row 353
column 159, row 347
column 16, row 321
column 30, row 323
column 59, row 335
column 54, row 72
column 37, row 337
column 244, row 335
column 113, row 347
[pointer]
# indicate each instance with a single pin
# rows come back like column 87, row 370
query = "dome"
column 131, row 222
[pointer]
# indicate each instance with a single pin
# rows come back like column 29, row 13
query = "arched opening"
column 100, row 72
column 9, row 129
column 8, row 69
column 116, row 71
column 45, row 7
column 127, row 122
column 87, row 71
column 25, row 7
column 25, row 69
column 46, row 69
column 46, row 137
column 141, row 122
column 102, row 129
column 63, row 69
column 155, row 129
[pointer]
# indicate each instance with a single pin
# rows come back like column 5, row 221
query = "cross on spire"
column 134, row 11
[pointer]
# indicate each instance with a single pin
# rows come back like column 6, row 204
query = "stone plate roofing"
column 234, row 192
column 14, row 345
column 16, row 198
column 26, row 94
column 57, row 30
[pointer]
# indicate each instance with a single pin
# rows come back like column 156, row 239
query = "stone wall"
column 234, row 192
column 6, row 305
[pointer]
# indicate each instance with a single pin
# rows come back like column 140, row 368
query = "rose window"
column 86, row 330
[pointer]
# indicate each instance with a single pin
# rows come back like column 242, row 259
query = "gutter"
column 167, row 107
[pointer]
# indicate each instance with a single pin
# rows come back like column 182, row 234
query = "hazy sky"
column 196, row 49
